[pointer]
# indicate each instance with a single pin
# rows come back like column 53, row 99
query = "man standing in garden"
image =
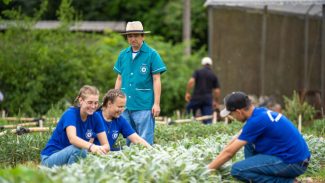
column 139, row 68
column 275, row 151
column 206, row 91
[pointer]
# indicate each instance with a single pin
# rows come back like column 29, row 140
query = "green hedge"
column 41, row 68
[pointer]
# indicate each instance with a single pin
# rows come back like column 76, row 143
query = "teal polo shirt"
column 137, row 81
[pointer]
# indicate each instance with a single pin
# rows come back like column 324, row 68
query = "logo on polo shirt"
column 143, row 69
column 89, row 133
column 115, row 135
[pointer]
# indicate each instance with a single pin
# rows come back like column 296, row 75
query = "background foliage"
column 162, row 17
column 40, row 68
column 294, row 107
column 44, row 68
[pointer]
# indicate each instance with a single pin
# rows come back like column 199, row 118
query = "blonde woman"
column 70, row 139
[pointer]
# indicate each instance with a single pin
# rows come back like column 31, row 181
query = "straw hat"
column 134, row 28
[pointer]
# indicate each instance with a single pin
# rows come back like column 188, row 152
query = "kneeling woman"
column 113, row 105
column 70, row 139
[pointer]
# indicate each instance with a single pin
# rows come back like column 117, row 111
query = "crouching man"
column 275, row 151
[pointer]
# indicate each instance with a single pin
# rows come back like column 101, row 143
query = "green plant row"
column 25, row 148
column 21, row 149
column 184, row 160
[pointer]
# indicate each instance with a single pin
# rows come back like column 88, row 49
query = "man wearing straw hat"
column 139, row 68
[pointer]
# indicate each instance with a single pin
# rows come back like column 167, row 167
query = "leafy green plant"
column 317, row 150
column 66, row 12
column 184, row 160
column 181, row 161
column 6, row 1
column 23, row 174
column 317, row 128
column 21, row 149
column 295, row 107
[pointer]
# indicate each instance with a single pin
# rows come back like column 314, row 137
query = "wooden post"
column 166, row 120
column 178, row 114
column 323, row 59
column 215, row 117
column 40, row 123
column 263, row 51
column 187, row 26
column 306, row 47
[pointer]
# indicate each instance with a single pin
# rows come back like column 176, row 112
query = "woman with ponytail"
column 70, row 140
column 110, row 112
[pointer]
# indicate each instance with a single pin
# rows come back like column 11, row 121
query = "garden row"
column 181, row 154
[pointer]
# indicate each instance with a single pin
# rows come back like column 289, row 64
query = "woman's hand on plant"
column 106, row 148
column 100, row 150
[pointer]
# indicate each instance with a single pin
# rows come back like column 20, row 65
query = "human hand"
column 106, row 148
column 155, row 110
column 187, row 97
column 215, row 105
column 209, row 167
column 97, row 150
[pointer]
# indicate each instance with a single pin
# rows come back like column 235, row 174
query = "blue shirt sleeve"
column 99, row 123
column 126, row 129
column 157, row 64
column 69, row 118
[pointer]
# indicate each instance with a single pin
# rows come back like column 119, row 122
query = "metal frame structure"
column 303, row 8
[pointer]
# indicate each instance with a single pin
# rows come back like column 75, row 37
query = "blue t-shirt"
column 114, row 128
column 274, row 134
column 137, row 73
column 85, row 130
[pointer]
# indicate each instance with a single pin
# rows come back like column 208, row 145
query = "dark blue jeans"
column 265, row 168
column 205, row 107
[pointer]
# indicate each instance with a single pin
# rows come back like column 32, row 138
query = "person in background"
column 113, row 105
column 275, row 151
column 270, row 103
column 206, row 91
column 70, row 139
column 139, row 68
column 276, row 107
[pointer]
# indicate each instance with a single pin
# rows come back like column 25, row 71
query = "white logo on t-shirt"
column 143, row 69
column 89, row 133
column 115, row 135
